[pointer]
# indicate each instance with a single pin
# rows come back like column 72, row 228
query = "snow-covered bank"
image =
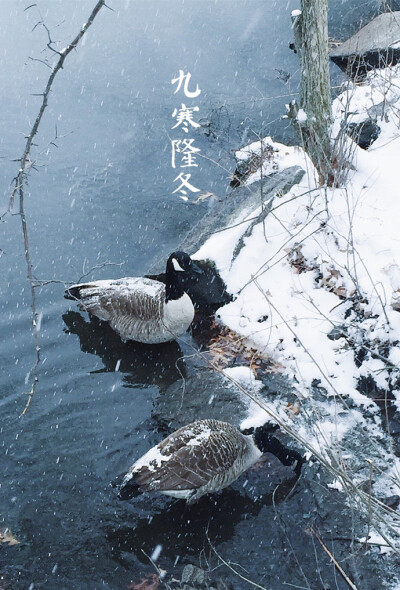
column 316, row 285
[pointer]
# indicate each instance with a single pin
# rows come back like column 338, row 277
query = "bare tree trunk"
column 314, row 120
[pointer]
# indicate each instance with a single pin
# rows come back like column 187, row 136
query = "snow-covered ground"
column 317, row 287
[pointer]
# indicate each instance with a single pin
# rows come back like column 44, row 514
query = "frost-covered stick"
column 313, row 119
column 228, row 565
column 371, row 470
column 309, row 192
column 20, row 179
column 350, row 240
column 97, row 267
column 318, row 565
column 334, row 561
column 33, row 371
column 374, row 285
column 344, row 147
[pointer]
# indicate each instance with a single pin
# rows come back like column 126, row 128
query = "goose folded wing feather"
column 132, row 299
column 194, row 464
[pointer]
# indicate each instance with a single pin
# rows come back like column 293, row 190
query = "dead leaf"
column 332, row 281
column 227, row 348
column 298, row 261
column 340, row 292
column 7, row 537
column 292, row 410
column 151, row 582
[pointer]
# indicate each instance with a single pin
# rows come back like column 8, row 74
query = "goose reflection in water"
column 183, row 529
column 142, row 364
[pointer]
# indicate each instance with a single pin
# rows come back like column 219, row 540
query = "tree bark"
column 314, row 121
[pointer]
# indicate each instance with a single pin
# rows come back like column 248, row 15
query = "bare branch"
column 334, row 561
column 43, row 282
column 98, row 266
column 26, row 164
column 228, row 565
column 58, row 66
column 42, row 62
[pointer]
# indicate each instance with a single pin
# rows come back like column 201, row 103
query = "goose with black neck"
column 203, row 457
column 140, row 308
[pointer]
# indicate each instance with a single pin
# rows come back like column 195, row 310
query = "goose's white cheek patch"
column 176, row 264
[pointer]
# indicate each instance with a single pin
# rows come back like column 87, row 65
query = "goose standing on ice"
column 202, row 457
column 141, row 309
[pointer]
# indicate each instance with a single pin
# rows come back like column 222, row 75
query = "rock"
column 208, row 290
column 375, row 45
column 364, row 133
column 240, row 202
column 194, row 576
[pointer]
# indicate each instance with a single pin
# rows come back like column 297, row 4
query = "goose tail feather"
column 88, row 297
column 129, row 488
column 73, row 292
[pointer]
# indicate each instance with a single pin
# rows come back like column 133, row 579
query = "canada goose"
column 202, row 457
column 138, row 308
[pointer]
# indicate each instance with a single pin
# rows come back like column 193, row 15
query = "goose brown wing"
column 138, row 299
column 193, row 462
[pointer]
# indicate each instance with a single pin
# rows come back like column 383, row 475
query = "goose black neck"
column 173, row 288
column 267, row 443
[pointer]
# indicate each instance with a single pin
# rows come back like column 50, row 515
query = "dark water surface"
column 104, row 195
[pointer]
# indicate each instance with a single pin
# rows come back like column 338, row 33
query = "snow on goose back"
column 202, row 457
column 138, row 308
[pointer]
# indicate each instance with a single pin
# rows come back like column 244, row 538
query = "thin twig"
column 265, row 266
column 21, row 178
column 228, row 565
column 334, row 561
column 97, row 267
column 287, row 539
